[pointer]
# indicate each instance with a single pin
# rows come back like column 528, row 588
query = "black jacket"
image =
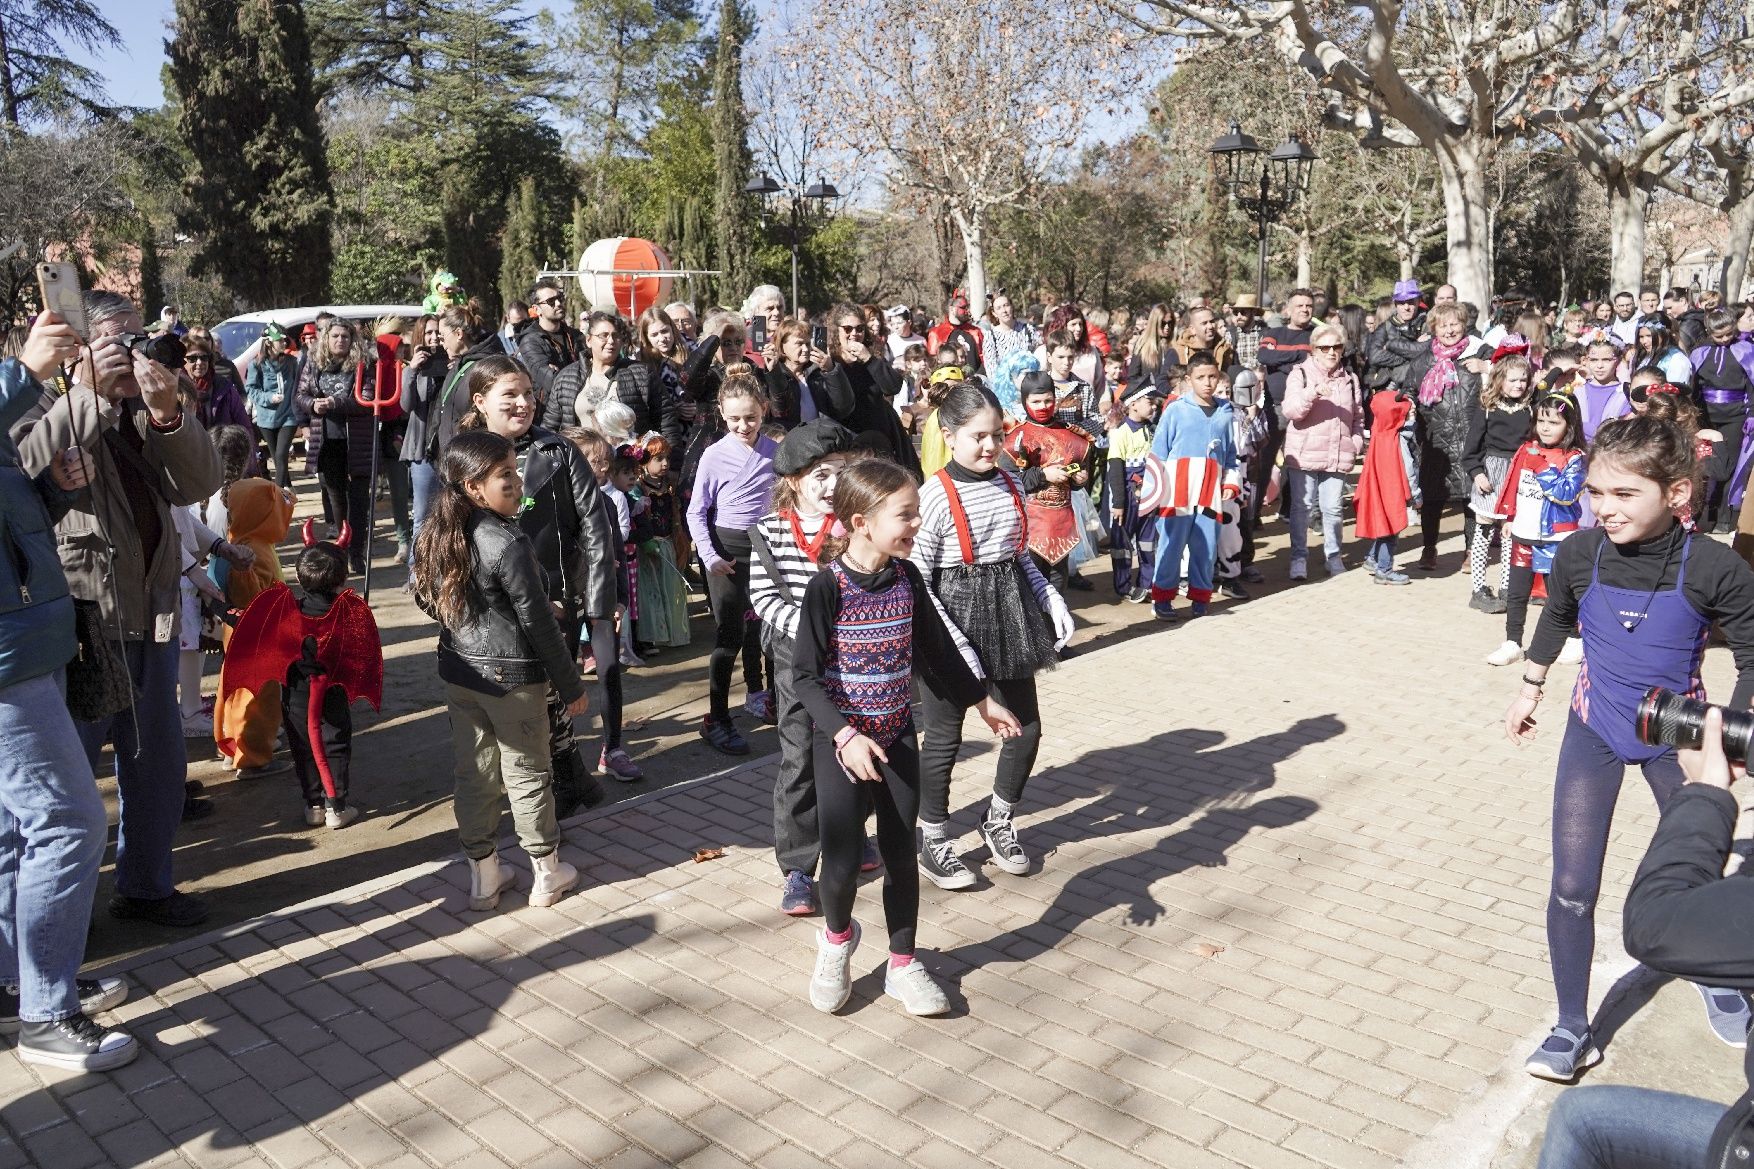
column 452, row 401
column 545, row 354
column 513, row 639
column 832, row 400
column 634, row 386
column 1388, row 349
column 566, row 527
column 420, row 388
column 1281, row 349
column 870, row 389
column 1443, row 429
column 1685, row 918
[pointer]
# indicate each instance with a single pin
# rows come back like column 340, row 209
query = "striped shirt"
column 770, row 601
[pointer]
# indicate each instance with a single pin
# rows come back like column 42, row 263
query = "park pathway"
column 1290, row 915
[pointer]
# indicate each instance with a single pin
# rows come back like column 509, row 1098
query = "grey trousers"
column 797, row 843
column 501, row 745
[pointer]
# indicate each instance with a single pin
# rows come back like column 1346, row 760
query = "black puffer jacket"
column 1387, row 351
column 1443, row 429
column 633, row 385
column 545, row 354
column 513, row 639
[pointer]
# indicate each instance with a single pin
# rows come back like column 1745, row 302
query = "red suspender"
column 959, row 517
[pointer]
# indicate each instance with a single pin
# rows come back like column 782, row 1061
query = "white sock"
column 932, row 831
column 998, row 809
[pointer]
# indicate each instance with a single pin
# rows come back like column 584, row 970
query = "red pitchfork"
column 385, row 396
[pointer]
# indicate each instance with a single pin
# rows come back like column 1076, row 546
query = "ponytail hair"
column 963, row 402
column 237, row 454
column 740, row 382
column 468, row 319
column 445, row 580
column 860, row 489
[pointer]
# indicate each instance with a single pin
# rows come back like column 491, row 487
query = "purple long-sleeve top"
column 733, row 487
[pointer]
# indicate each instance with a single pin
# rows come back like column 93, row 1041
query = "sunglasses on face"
column 1328, row 348
column 197, row 359
column 551, row 301
column 852, row 329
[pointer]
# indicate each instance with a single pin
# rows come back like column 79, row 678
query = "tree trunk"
column 8, row 92
column 1461, row 168
column 1304, row 250
column 1734, row 284
column 973, row 228
column 1626, row 206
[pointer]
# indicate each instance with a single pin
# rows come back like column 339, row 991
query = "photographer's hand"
column 52, row 344
column 158, row 389
column 1709, row 765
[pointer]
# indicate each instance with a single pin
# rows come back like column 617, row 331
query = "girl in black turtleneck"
column 1643, row 593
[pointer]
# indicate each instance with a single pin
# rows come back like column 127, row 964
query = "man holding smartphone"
column 120, row 551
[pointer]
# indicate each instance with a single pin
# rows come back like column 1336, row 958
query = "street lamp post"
column 1266, row 188
column 765, row 186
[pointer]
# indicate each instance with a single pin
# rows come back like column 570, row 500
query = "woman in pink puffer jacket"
column 1324, row 435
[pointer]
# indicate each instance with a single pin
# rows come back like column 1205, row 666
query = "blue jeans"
column 423, row 479
column 1381, row 557
column 1612, row 1126
column 52, row 831
column 151, row 768
column 1323, row 489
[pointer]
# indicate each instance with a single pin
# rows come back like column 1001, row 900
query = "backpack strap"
column 758, row 544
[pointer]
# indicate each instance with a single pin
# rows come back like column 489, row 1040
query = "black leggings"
column 1516, row 602
column 1585, row 789
column 1057, row 573
column 279, row 442
column 607, row 650
column 736, row 629
column 841, row 806
column 345, row 496
column 943, row 738
column 1431, row 515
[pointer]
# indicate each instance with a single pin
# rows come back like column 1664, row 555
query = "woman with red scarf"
column 1447, row 396
column 218, row 400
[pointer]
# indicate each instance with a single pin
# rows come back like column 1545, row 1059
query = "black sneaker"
column 723, row 736
column 179, row 910
column 77, row 1044
column 938, row 860
column 1001, row 838
column 95, row 994
column 1481, row 600
column 1233, row 590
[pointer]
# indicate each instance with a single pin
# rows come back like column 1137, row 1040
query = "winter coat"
column 346, row 421
column 1443, row 429
column 831, row 401
column 451, row 400
column 545, row 354
column 1324, row 418
column 632, row 383
column 271, row 378
column 869, row 389
column 421, row 385
column 36, row 606
column 223, row 405
column 136, row 588
column 1388, row 349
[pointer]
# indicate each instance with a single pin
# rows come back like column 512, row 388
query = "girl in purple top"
column 733, row 488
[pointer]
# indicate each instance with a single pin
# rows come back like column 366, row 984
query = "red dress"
column 1053, row 525
column 1384, row 494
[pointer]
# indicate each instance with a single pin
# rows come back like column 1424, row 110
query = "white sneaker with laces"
column 918, row 991
column 1505, row 655
column 831, row 983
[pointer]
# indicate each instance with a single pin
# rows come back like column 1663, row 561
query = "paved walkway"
column 1290, row 915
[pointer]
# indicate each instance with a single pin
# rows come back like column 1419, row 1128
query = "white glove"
column 1062, row 619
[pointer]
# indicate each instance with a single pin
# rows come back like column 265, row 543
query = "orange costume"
column 260, row 515
column 1053, row 525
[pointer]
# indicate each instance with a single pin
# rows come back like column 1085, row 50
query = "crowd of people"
column 874, row 505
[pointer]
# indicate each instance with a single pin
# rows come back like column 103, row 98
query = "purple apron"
column 1663, row 648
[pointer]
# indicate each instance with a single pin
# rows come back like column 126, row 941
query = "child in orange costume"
column 260, row 514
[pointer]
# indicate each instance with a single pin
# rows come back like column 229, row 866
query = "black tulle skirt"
column 997, row 611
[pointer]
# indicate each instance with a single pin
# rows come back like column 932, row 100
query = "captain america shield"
column 1153, row 485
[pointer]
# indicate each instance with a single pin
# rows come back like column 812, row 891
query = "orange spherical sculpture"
column 611, row 275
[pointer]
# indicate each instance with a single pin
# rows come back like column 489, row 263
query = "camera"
column 1668, row 719
column 167, row 349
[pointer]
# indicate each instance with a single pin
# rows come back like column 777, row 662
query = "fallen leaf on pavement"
column 707, row 854
column 1207, row 949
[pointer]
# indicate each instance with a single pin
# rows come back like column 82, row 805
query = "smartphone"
column 758, row 333
column 59, row 283
column 819, row 338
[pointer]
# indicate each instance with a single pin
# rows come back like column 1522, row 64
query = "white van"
column 241, row 336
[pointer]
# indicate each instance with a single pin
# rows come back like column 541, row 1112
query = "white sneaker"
column 1299, row 568
column 340, row 819
column 1505, row 655
column 1572, row 654
column 831, row 983
column 487, row 880
column 918, row 991
column 553, row 878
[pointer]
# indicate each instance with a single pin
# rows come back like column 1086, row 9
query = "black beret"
column 810, row 443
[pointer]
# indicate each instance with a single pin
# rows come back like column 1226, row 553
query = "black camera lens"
column 167, row 349
column 1668, row 719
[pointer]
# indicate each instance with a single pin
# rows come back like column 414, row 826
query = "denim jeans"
column 1612, row 1126
column 1381, row 557
column 1324, row 489
column 151, row 768
column 52, row 831
column 423, row 480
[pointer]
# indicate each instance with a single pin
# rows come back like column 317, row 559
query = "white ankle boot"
column 487, row 879
column 553, row 878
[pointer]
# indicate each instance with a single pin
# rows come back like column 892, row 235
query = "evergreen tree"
column 36, row 78
column 522, row 245
column 616, row 56
column 151, row 272
column 731, row 152
column 258, row 196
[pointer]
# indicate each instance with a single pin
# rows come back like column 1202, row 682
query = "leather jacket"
column 513, row 639
column 573, row 537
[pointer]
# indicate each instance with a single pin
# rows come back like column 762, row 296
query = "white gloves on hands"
column 1062, row 619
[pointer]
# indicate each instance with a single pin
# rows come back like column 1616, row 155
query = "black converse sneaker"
column 77, row 1044
column 1001, row 838
column 95, row 994
column 938, row 860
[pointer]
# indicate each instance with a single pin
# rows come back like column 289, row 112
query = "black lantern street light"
column 1264, row 185
column 764, row 186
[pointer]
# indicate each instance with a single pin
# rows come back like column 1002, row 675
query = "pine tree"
column 258, row 199
column 151, row 272
column 521, row 243
column 36, row 78
column 731, row 152
column 616, row 56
